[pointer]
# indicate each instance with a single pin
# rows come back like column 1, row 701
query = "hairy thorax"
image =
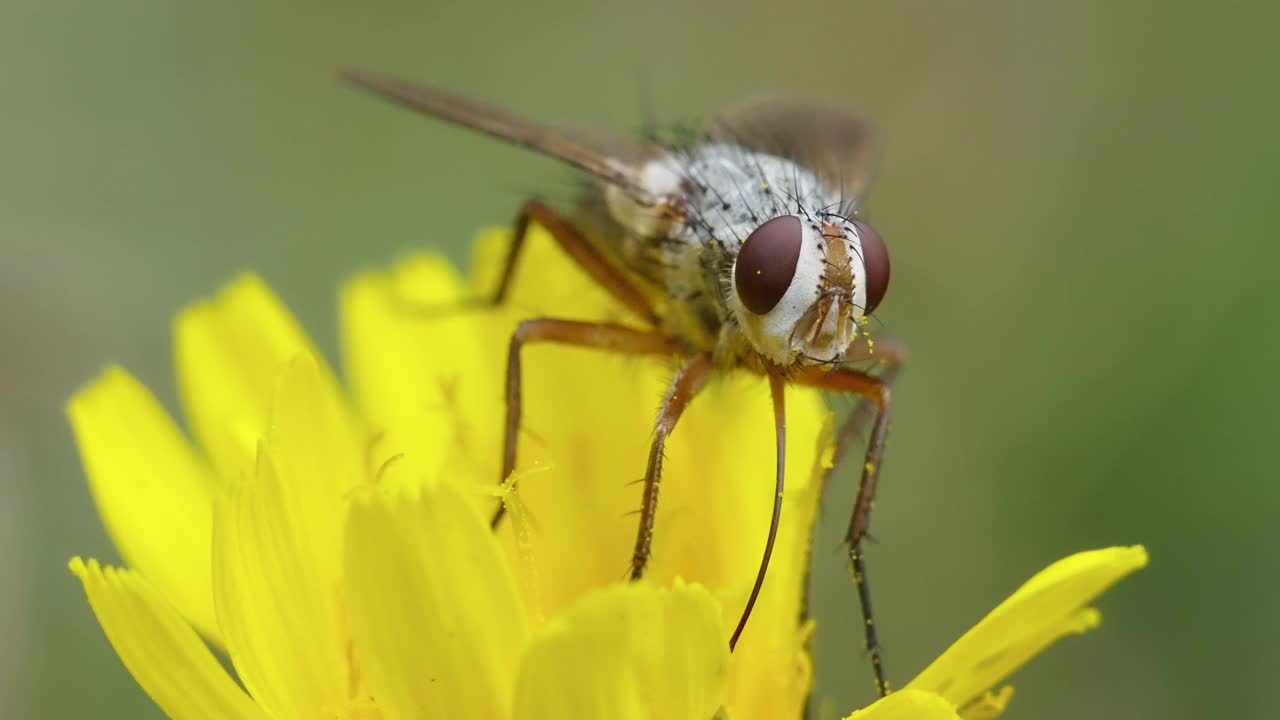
column 712, row 197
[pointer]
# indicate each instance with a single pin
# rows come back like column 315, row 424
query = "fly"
column 738, row 251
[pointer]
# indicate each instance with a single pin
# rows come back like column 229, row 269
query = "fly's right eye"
column 767, row 263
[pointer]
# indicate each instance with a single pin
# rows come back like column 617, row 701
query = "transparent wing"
column 610, row 159
column 837, row 144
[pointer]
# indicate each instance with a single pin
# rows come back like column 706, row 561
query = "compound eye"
column 875, row 258
column 767, row 263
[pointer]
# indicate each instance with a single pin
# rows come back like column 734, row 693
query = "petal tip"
column 1134, row 556
column 110, row 377
column 244, row 281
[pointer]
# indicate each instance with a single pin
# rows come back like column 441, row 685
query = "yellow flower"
column 336, row 547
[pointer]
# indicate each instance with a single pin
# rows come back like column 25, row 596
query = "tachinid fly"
column 739, row 251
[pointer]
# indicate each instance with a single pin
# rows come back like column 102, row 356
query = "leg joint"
column 883, row 396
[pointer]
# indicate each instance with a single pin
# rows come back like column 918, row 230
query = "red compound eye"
column 875, row 257
column 767, row 263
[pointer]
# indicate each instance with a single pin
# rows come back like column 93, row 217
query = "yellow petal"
column 229, row 353
column 153, row 493
column 429, row 372
column 162, row 652
column 420, row 371
column 319, row 460
column 908, row 705
column 628, row 652
column 431, row 377
column 1049, row 606
column 435, row 614
column 277, row 552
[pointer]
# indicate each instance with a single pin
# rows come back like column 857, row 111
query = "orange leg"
column 876, row 391
column 576, row 246
column 683, row 387
column 603, row 336
column 891, row 354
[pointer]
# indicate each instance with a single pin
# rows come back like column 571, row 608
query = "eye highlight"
column 875, row 257
column 767, row 263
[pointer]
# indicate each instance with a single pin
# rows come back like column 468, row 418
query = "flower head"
column 334, row 544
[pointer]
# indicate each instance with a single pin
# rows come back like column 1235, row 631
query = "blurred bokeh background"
column 1077, row 197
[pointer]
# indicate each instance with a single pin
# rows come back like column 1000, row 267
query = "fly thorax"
column 651, row 218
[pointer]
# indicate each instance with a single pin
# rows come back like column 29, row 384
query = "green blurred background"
column 1076, row 195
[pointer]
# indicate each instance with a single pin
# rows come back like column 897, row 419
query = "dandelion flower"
column 334, row 545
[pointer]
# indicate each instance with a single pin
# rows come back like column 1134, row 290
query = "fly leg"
column 876, row 392
column 575, row 245
column 683, row 387
column 601, row 336
column 890, row 354
column 582, row 252
column 686, row 384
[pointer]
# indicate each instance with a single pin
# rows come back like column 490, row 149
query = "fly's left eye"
column 767, row 263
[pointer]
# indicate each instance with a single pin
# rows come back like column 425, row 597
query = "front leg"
column 876, row 391
column 890, row 354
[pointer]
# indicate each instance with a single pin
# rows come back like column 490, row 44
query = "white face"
column 817, row 316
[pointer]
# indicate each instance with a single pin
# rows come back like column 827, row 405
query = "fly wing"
column 611, row 160
column 837, row 144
